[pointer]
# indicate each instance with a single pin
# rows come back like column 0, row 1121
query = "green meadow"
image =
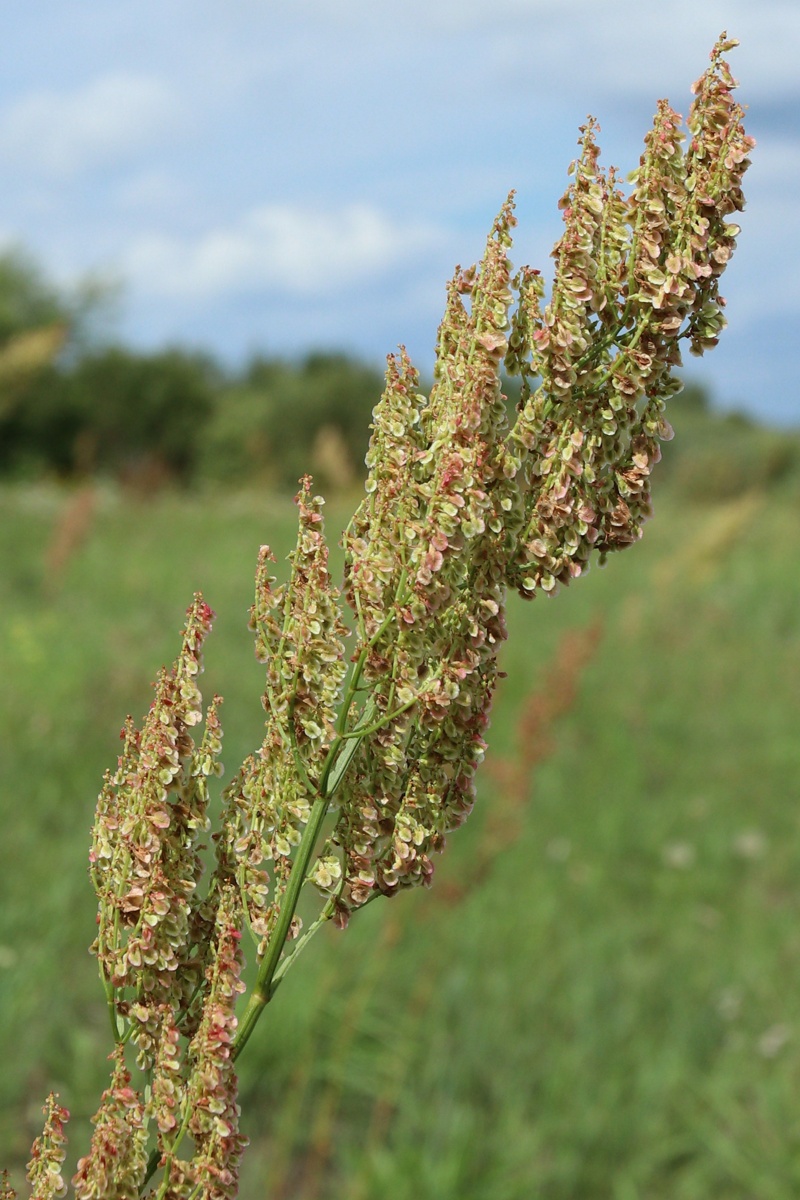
column 599, row 997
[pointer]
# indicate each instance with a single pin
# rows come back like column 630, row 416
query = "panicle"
column 569, row 318
column 442, row 538
column 48, row 1153
column 613, row 253
column 304, row 652
column 388, row 521
column 168, row 1089
column 657, row 202
column 568, row 429
column 465, row 422
column 379, row 547
column 212, row 1086
column 717, row 159
column 299, row 634
column 145, row 861
column 205, row 764
column 632, row 279
column 117, row 1159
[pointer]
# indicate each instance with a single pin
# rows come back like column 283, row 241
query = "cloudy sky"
column 280, row 177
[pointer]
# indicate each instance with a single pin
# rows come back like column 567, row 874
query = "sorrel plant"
column 369, row 754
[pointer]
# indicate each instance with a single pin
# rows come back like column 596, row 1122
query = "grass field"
column 600, row 997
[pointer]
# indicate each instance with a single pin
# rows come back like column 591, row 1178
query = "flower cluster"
column 426, row 551
column 48, row 1153
column 211, row 1094
column 117, row 1158
column 299, row 635
column 632, row 280
column 458, row 508
column 716, row 163
column 145, row 861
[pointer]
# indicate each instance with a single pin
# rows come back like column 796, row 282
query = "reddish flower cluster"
column 211, row 1093
column 48, row 1153
column 145, row 860
column 117, row 1158
column 632, row 280
column 426, row 550
column 299, row 635
column 458, row 508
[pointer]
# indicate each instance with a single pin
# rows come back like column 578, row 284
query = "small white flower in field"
column 773, row 1040
column 678, row 855
column 559, row 849
column 8, row 958
column 750, row 844
column 729, row 1003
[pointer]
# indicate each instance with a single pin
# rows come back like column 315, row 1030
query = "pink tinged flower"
column 117, row 1159
column 48, row 1153
column 150, row 815
column 494, row 342
column 214, row 1123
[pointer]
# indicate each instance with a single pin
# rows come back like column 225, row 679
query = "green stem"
column 300, row 944
column 152, row 1167
column 361, row 731
column 156, row 1156
column 261, row 993
column 112, row 1013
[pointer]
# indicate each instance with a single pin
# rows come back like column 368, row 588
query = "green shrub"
column 265, row 427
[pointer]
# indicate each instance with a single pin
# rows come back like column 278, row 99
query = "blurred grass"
column 609, row 1007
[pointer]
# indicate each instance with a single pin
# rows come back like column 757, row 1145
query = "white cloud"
column 152, row 191
column 298, row 251
column 62, row 133
column 631, row 50
column 621, row 48
column 398, row 126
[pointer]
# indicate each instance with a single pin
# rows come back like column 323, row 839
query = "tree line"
column 72, row 404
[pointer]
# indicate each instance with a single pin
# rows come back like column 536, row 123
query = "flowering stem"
column 264, row 986
column 339, row 757
column 453, row 518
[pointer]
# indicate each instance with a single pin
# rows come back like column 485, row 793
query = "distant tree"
column 34, row 325
column 42, row 329
column 27, row 299
column 267, row 424
column 141, row 412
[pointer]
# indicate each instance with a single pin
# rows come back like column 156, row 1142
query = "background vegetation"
column 601, row 995
column 74, row 406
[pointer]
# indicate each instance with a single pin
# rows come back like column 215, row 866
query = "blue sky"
column 280, row 177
